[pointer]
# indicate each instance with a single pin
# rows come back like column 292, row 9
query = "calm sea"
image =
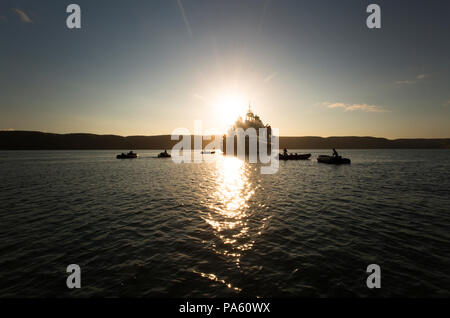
column 152, row 228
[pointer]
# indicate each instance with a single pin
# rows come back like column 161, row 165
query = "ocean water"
column 152, row 228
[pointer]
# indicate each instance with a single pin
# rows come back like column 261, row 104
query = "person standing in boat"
column 335, row 154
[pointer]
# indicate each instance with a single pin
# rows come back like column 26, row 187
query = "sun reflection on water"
column 229, row 213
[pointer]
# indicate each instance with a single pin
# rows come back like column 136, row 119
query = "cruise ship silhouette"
column 252, row 121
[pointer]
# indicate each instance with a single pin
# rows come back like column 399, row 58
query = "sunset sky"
column 309, row 68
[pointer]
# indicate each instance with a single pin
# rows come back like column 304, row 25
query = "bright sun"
column 229, row 108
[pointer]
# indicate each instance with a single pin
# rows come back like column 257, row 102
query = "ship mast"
column 250, row 116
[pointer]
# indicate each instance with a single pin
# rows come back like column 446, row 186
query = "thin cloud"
column 22, row 15
column 270, row 77
column 412, row 81
column 186, row 21
column 356, row 107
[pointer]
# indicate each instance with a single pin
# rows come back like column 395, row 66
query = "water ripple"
column 151, row 228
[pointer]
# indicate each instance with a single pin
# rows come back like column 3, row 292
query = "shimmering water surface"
column 152, row 228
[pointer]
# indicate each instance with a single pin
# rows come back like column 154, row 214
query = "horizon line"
column 160, row 135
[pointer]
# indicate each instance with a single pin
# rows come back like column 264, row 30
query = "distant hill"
column 32, row 140
column 361, row 143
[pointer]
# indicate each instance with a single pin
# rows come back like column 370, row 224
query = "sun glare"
column 229, row 108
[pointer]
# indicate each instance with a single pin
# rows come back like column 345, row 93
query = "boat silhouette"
column 207, row 152
column 130, row 155
column 294, row 156
column 335, row 159
column 164, row 154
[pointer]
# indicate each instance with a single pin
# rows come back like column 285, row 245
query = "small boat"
column 336, row 160
column 130, row 155
column 293, row 156
column 208, row 152
column 164, row 154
